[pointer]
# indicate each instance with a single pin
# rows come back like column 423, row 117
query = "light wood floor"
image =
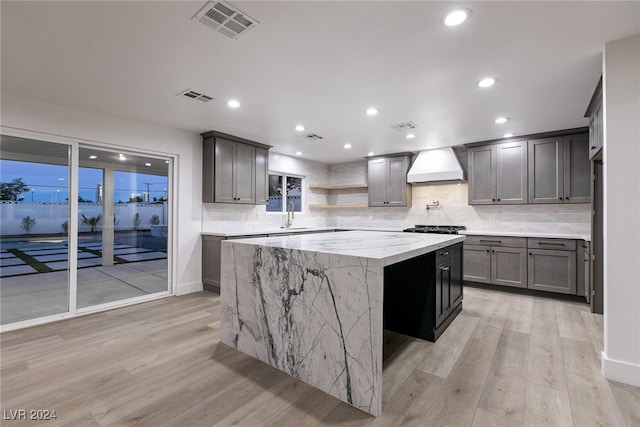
column 507, row 360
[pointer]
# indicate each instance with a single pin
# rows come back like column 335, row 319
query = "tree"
column 92, row 221
column 28, row 223
column 11, row 190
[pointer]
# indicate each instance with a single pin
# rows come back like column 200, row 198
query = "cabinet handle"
column 488, row 251
column 559, row 198
column 593, row 147
column 566, row 198
column 551, row 244
column 497, row 242
column 493, row 200
column 493, row 251
column 444, row 253
column 498, row 199
column 444, row 268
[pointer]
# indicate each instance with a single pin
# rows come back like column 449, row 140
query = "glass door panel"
column 34, row 229
column 124, row 226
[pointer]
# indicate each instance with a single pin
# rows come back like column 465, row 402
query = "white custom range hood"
column 440, row 164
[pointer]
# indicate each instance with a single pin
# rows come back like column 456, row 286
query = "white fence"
column 50, row 217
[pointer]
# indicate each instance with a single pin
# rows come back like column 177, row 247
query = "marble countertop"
column 540, row 235
column 386, row 247
column 253, row 231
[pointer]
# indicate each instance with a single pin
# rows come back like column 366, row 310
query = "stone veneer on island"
column 312, row 305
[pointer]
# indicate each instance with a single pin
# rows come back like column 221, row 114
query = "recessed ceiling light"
column 298, row 153
column 371, row 153
column 429, row 146
column 371, row 111
column 508, row 135
column 93, row 157
column 299, row 128
column 166, row 161
column 233, row 103
column 60, row 179
column 411, row 136
column 147, row 164
column 347, row 146
column 456, row 17
column 501, row 120
column 486, row 82
column 121, row 157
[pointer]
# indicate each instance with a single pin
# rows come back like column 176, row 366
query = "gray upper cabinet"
column 234, row 170
column 577, row 169
column 498, row 174
column 388, row 180
column 596, row 124
column 559, row 170
column 546, row 182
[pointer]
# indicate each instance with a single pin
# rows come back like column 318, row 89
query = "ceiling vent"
column 403, row 127
column 225, row 19
column 312, row 137
column 195, row 96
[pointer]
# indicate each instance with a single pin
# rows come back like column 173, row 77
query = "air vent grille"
column 312, row 137
column 226, row 19
column 403, row 127
column 195, row 96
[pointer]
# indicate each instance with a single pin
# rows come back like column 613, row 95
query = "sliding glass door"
column 112, row 250
column 123, row 227
column 34, row 229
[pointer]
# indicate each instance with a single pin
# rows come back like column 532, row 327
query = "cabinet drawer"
column 508, row 242
column 553, row 244
column 444, row 254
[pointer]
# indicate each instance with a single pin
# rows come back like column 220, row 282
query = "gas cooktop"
column 436, row 229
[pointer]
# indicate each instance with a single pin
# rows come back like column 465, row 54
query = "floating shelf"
column 337, row 187
column 337, row 206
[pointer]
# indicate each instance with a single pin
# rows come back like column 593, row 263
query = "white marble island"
column 313, row 305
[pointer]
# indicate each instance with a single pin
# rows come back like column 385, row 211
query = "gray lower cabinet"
column 234, row 170
column 498, row 174
column 552, row 271
column 559, row 170
column 211, row 264
column 388, row 180
column 496, row 260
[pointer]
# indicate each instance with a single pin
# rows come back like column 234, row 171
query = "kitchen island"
column 315, row 306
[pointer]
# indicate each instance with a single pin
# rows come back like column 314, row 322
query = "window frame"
column 303, row 194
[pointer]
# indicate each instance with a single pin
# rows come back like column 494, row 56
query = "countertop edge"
column 534, row 234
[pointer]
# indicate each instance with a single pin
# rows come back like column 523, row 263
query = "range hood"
column 440, row 164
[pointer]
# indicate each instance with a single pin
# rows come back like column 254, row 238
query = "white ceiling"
column 320, row 64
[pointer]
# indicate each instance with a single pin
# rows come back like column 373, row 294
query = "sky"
column 47, row 179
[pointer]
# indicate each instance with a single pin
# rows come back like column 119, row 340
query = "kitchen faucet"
column 290, row 209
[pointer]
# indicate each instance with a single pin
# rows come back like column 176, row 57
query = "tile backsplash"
column 452, row 210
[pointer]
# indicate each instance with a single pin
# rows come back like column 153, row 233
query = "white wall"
column 453, row 210
column 58, row 123
column 220, row 216
column 621, row 356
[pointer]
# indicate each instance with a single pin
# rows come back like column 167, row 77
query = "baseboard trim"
column 622, row 372
column 188, row 288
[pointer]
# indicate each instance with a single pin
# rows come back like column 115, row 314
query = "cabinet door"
column 208, row 181
column 552, row 271
column 245, row 174
column 443, row 287
column 511, row 173
column 482, row 179
column 455, row 288
column 546, row 165
column 262, row 170
column 211, row 251
column 225, row 155
column 596, row 130
column 509, row 266
column 477, row 263
column 577, row 169
column 397, row 181
column 377, row 182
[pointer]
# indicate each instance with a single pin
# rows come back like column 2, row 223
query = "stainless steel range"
column 436, row 229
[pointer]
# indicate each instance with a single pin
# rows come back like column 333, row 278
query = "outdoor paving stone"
column 8, row 262
column 18, row 269
column 144, row 256
column 4, row 255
